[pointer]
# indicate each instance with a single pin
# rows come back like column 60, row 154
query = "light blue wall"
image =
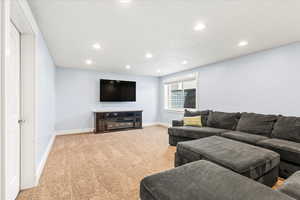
column 265, row 82
column 77, row 95
column 46, row 98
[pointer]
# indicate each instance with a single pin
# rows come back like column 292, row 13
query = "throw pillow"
column 192, row 121
column 204, row 115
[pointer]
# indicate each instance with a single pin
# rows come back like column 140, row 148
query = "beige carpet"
column 103, row 166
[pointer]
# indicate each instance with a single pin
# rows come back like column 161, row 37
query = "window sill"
column 179, row 110
column 174, row 110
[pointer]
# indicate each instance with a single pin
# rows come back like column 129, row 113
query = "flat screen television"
column 116, row 90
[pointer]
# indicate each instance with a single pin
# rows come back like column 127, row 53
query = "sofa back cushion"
column 223, row 120
column 287, row 128
column 204, row 115
column 256, row 123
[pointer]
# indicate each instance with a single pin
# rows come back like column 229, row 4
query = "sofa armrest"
column 177, row 123
column 291, row 186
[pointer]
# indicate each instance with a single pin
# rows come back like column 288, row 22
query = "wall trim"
column 166, row 125
column 89, row 130
column 150, row 124
column 74, row 131
column 4, row 20
column 43, row 162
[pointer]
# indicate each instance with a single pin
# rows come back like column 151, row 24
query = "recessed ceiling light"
column 97, row 46
column 128, row 67
column 199, row 27
column 125, row 1
column 184, row 62
column 243, row 43
column 88, row 61
column 148, row 55
column 8, row 52
column 158, row 71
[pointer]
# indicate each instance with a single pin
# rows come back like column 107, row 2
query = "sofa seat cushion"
column 256, row 123
column 244, row 137
column 195, row 132
column 204, row 180
column 291, row 186
column 287, row 128
column 245, row 159
column 289, row 151
column 223, row 120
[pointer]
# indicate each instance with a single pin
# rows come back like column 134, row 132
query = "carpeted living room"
column 109, row 166
column 149, row 100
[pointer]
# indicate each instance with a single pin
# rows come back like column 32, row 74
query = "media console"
column 106, row 121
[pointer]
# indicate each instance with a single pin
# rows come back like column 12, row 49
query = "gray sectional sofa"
column 277, row 133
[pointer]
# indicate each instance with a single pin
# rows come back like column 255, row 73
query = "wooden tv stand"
column 106, row 121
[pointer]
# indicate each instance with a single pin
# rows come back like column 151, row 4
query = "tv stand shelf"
column 106, row 121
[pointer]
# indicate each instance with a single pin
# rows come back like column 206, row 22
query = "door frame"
column 13, row 127
column 19, row 12
column 4, row 15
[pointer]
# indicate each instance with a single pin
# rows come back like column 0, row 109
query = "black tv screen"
column 115, row 90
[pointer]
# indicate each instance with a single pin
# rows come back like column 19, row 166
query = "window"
column 181, row 94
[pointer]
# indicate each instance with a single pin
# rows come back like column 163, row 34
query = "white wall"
column 265, row 82
column 46, row 98
column 77, row 95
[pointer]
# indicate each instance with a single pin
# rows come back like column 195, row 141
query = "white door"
column 13, row 114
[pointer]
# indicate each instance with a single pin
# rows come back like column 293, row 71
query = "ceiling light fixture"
column 199, row 27
column 243, row 43
column 128, row 67
column 88, row 61
column 125, row 1
column 148, row 55
column 184, row 62
column 158, row 71
column 97, row 46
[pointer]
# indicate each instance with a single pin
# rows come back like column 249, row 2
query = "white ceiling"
column 164, row 28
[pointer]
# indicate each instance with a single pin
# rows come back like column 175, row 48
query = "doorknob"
column 21, row 121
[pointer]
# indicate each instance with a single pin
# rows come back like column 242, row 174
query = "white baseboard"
column 89, row 130
column 74, row 131
column 157, row 124
column 150, row 124
column 164, row 124
column 44, row 160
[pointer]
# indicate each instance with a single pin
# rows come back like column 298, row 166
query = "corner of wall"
column 160, row 100
column 42, row 163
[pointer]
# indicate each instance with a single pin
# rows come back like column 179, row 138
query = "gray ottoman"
column 203, row 180
column 254, row 162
